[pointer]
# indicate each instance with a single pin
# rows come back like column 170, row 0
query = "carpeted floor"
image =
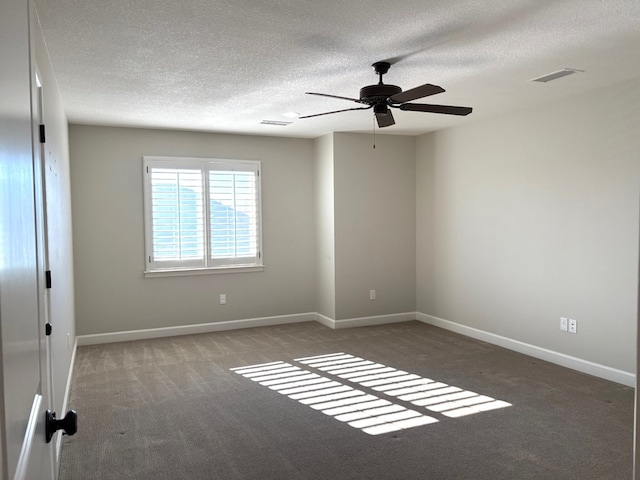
column 404, row 401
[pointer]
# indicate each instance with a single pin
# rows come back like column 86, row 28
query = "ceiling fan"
column 382, row 96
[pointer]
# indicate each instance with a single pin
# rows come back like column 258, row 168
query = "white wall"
column 374, row 224
column 111, row 293
column 532, row 216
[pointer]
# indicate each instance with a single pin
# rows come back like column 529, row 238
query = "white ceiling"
column 226, row 65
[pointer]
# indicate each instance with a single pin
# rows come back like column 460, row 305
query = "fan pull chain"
column 374, row 132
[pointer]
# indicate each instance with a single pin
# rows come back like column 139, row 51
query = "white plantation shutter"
column 233, row 216
column 177, row 209
column 201, row 213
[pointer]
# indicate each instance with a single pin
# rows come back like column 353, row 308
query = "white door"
column 24, row 452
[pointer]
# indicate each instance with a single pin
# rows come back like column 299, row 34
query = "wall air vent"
column 278, row 123
column 555, row 75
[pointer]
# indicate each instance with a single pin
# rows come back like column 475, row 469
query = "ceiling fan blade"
column 335, row 111
column 414, row 93
column 385, row 119
column 446, row 109
column 334, row 96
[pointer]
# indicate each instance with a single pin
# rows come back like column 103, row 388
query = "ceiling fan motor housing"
column 375, row 94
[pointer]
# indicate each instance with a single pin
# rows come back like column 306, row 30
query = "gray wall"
column 112, row 294
column 374, row 224
column 532, row 216
column 319, row 195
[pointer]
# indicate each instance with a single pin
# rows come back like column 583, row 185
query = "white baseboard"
column 371, row 321
column 125, row 336
column 584, row 366
column 192, row 329
column 324, row 320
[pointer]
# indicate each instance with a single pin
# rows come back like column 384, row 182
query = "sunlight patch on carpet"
column 438, row 397
column 358, row 409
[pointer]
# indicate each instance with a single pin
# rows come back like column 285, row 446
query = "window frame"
column 206, row 265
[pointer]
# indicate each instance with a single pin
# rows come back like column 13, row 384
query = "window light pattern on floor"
column 358, row 409
column 435, row 396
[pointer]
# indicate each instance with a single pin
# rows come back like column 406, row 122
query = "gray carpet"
column 173, row 409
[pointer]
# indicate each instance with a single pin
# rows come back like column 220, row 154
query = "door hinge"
column 47, row 329
column 47, row 278
column 42, row 134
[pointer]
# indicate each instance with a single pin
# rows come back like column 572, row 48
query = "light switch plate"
column 564, row 324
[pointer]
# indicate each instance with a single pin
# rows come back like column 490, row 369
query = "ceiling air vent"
column 278, row 123
column 555, row 75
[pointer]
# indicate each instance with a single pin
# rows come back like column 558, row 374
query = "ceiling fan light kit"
column 382, row 96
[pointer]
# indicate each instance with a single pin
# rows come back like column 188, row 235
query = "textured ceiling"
column 226, row 65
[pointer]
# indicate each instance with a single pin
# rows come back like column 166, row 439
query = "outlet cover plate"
column 573, row 325
column 564, row 324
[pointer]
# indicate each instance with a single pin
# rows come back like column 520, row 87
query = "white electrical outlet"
column 372, row 294
column 564, row 322
column 573, row 325
column 223, row 299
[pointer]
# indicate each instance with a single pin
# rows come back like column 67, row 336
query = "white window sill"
column 183, row 272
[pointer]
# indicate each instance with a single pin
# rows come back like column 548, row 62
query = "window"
column 201, row 215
